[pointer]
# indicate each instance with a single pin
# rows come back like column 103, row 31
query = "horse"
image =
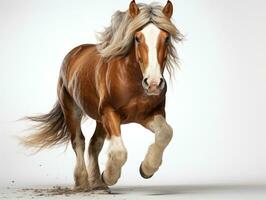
column 117, row 81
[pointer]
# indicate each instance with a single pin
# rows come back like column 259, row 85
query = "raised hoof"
column 142, row 173
column 108, row 184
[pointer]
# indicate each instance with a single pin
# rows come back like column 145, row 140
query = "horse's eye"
column 137, row 39
column 167, row 40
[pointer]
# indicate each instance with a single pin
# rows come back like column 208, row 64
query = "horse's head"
column 151, row 45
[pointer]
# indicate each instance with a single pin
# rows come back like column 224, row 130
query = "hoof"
column 81, row 189
column 103, row 178
column 142, row 173
column 106, row 182
column 101, row 189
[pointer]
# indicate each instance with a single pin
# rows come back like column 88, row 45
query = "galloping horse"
column 117, row 81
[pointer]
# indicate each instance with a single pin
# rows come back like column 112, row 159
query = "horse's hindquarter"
column 78, row 73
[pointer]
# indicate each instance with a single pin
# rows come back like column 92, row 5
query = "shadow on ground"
column 188, row 189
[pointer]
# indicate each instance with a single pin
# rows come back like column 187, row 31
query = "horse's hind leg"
column 73, row 117
column 95, row 146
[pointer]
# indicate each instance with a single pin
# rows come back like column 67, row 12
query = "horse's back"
column 74, row 59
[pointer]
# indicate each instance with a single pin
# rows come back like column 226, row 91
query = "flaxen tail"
column 50, row 130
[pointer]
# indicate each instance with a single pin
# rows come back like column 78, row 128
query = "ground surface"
column 188, row 192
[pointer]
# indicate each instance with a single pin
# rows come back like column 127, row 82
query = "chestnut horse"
column 118, row 81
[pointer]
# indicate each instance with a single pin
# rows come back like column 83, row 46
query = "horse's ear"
column 133, row 9
column 168, row 9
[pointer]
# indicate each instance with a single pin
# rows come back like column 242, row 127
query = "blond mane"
column 116, row 39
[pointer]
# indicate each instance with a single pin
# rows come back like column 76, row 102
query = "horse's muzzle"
column 153, row 88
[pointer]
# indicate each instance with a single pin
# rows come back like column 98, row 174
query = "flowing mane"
column 116, row 40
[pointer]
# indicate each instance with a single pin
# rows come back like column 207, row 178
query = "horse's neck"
column 124, row 71
column 119, row 76
column 131, row 66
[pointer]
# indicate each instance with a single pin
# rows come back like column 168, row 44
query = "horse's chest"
column 139, row 108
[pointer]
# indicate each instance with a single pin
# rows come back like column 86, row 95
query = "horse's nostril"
column 161, row 82
column 146, row 81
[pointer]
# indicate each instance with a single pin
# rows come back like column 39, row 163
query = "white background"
column 216, row 104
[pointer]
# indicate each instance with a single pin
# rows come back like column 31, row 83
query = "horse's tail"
column 51, row 130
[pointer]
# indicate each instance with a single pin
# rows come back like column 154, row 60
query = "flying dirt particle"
column 55, row 190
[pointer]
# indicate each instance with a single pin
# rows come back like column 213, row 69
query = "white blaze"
column 153, row 72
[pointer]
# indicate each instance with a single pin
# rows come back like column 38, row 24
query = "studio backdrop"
column 216, row 103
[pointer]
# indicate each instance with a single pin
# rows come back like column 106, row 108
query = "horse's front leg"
column 163, row 135
column 117, row 153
